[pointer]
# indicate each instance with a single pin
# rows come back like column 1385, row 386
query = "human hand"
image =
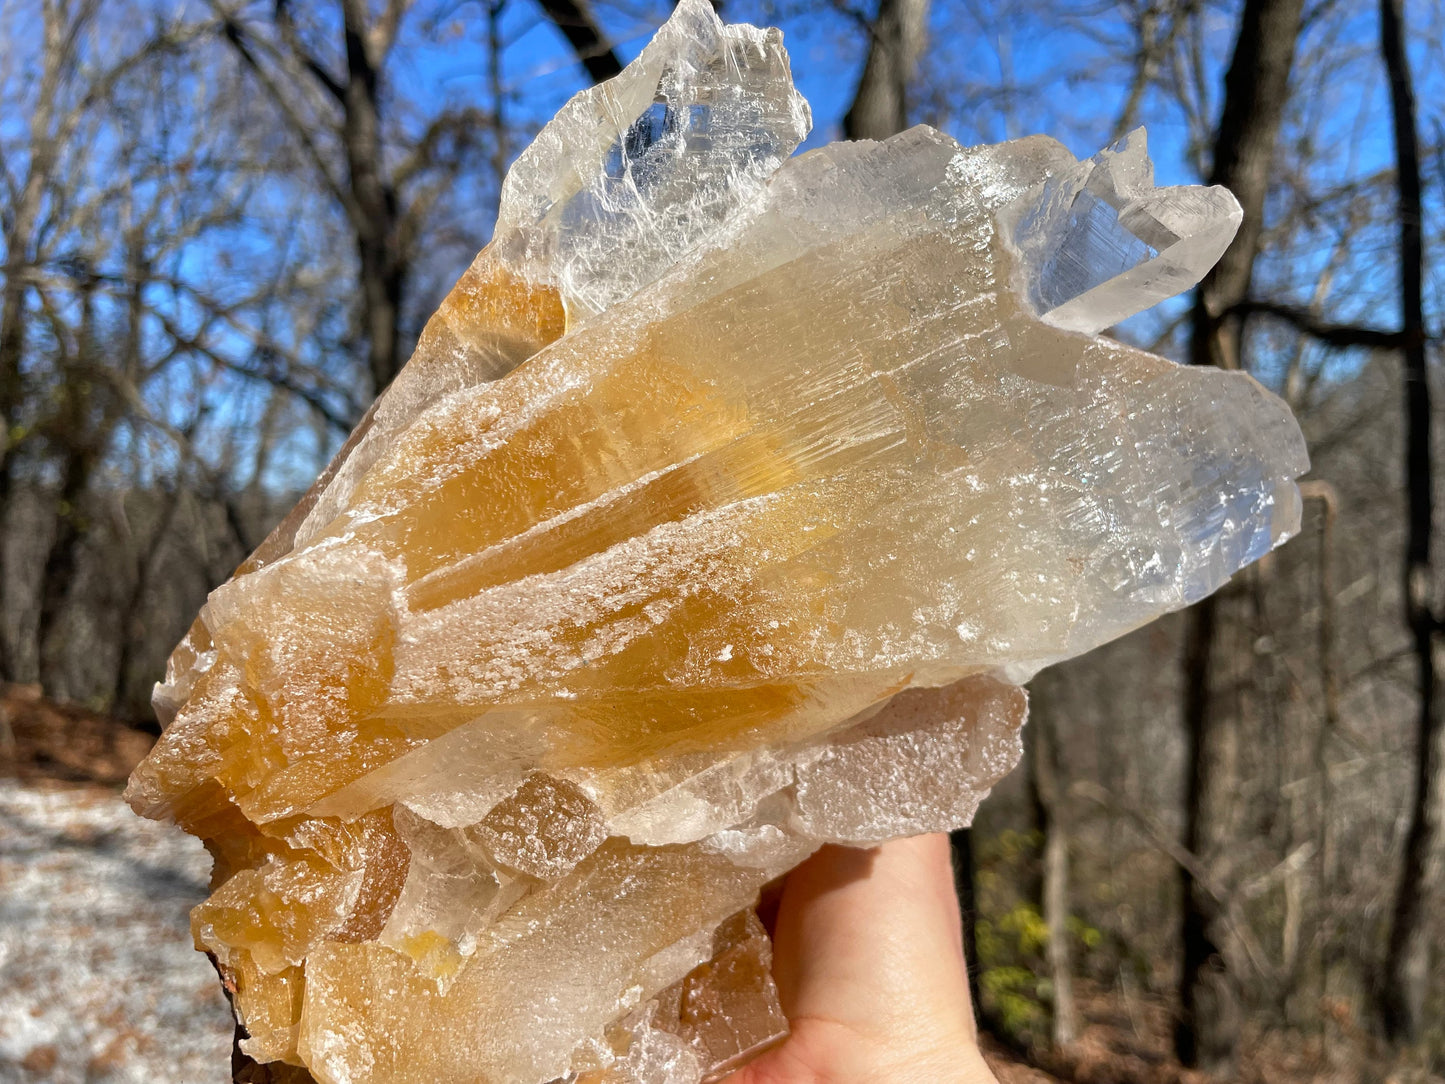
column 868, row 957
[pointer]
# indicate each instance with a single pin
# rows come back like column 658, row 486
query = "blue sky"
column 995, row 69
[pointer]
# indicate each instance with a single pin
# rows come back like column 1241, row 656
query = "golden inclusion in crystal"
column 725, row 505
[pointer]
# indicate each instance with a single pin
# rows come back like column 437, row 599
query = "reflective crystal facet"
column 727, row 501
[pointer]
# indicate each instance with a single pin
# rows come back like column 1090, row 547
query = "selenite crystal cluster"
column 725, row 504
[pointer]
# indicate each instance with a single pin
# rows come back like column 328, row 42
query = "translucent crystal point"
column 727, row 501
column 648, row 165
column 1098, row 242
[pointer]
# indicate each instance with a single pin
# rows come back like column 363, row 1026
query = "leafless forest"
column 223, row 223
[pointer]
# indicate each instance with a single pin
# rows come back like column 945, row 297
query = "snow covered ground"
column 98, row 979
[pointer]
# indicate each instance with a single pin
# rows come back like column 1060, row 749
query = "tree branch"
column 1226, row 899
column 383, row 34
column 459, row 123
column 271, row 374
column 234, row 33
column 308, row 60
column 1308, row 323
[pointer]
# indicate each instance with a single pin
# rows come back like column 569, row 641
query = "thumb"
column 869, row 963
column 872, row 939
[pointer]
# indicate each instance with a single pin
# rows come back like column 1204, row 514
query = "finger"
column 871, row 939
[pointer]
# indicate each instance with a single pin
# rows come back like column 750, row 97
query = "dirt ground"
column 43, row 742
column 98, row 978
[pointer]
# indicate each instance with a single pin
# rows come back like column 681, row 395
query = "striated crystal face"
column 727, row 501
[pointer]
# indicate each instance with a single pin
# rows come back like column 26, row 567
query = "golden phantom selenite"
column 727, row 501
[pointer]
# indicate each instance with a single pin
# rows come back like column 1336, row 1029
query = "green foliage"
column 1012, row 976
column 1089, row 937
column 1013, row 940
column 1017, row 997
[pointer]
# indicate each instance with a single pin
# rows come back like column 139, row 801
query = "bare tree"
column 385, row 197
column 1404, row 981
column 1255, row 89
column 50, row 200
column 49, row 125
column 1043, row 764
column 1156, row 27
column 80, row 431
column 114, row 319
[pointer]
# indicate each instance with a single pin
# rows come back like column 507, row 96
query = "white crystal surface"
column 1098, row 242
column 635, row 172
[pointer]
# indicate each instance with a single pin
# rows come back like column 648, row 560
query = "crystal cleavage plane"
column 723, row 508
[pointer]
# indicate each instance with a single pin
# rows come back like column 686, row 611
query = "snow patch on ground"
column 98, row 977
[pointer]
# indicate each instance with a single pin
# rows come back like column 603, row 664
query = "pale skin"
column 868, row 956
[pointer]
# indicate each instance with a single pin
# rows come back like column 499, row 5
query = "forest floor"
column 99, row 980
column 98, row 977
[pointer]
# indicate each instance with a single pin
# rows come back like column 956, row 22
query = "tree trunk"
column 56, row 58
column 1329, row 724
column 501, row 145
column 12, row 351
column 375, row 215
column 1054, row 893
column 574, row 19
column 880, row 105
column 12, row 347
column 1255, row 88
column 123, row 697
column 61, row 563
column 1207, row 1031
column 1402, row 986
column 961, row 842
column 77, row 431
